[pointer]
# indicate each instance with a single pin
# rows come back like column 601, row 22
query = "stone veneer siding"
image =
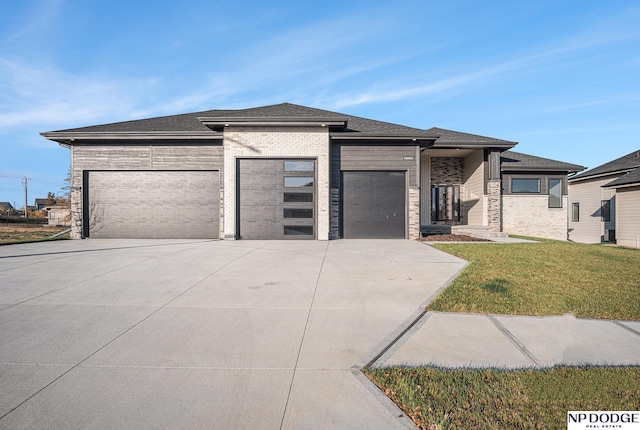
column 494, row 205
column 276, row 142
column 414, row 212
column 531, row 216
column 446, row 170
column 75, row 196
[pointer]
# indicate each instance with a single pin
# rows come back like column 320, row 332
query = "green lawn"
column 492, row 399
column 547, row 278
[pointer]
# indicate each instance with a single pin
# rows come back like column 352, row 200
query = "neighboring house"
column 58, row 215
column 292, row 172
column 6, row 207
column 40, row 204
column 535, row 195
column 593, row 214
column 627, row 208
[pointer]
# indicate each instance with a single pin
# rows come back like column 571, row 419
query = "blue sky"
column 560, row 77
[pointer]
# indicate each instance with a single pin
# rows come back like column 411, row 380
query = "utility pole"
column 24, row 182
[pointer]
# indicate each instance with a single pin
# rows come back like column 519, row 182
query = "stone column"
column 494, row 192
column 494, row 205
column 414, row 212
column 76, row 212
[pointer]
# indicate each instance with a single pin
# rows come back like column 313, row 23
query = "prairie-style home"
column 293, row 172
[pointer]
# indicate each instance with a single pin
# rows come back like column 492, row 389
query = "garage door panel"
column 373, row 204
column 153, row 204
column 261, row 201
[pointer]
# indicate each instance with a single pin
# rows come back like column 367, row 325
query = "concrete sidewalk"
column 455, row 340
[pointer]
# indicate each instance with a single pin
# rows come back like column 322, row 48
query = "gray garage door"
column 276, row 199
column 373, row 204
column 152, row 204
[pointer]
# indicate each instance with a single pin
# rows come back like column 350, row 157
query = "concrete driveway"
column 206, row 334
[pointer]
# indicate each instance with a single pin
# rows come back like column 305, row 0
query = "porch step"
column 480, row 232
column 435, row 229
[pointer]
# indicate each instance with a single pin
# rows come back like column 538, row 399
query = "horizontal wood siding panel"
column 627, row 220
column 383, row 158
column 187, row 157
column 145, row 157
column 111, row 157
column 473, row 189
column 589, row 194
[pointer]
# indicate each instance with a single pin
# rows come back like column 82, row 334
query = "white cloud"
column 610, row 31
column 40, row 18
column 44, row 96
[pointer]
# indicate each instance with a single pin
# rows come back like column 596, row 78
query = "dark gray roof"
column 618, row 165
column 6, row 206
column 513, row 161
column 189, row 122
column 456, row 137
column 204, row 125
column 629, row 178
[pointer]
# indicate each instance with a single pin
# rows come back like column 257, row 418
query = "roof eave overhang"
column 538, row 169
column 218, row 123
column 600, row 175
column 627, row 185
column 368, row 137
column 475, row 145
column 70, row 137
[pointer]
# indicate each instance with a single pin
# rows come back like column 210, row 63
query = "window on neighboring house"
column 555, row 193
column 575, row 212
column 605, row 210
column 525, row 185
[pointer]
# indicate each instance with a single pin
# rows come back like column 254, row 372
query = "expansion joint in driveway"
column 80, row 363
column 306, row 324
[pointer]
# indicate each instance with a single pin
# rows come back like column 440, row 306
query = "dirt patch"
column 451, row 238
column 12, row 233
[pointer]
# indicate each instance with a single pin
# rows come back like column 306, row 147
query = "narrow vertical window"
column 555, row 193
column 605, row 210
column 575, row 212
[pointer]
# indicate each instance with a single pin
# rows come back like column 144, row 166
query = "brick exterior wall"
column 276, row 142
column 531, row 216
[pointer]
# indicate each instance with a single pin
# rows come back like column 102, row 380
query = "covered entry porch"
column 460, row 189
